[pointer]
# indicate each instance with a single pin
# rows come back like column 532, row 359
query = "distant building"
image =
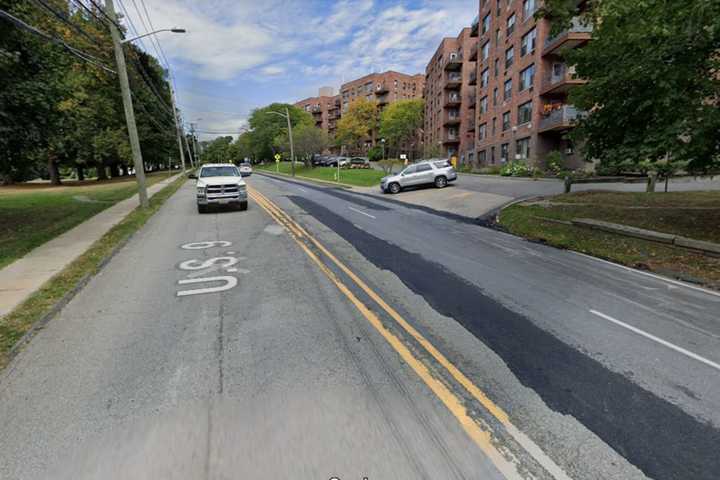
column 326, row 92
column 325, row 109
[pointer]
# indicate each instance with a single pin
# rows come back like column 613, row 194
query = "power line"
column 152, row 27
column 104, row 14
column 65, row 20
column 74, row 51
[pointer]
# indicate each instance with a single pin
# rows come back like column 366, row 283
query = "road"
column 355, row 337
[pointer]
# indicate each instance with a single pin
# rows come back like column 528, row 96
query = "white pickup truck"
column 220, row 184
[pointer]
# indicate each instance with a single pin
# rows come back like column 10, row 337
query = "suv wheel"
column 394, row 188
column 202, row 209
column 441, row 182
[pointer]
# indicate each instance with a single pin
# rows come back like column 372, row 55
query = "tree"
column 358, row 124
column 400, row 123
column 266, row 127
column 653, row 89
column 307, row 140
column 218, row 151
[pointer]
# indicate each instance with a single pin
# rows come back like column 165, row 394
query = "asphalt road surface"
column 326, row 334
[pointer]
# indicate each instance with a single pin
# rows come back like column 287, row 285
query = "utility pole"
column 195, row 145
column 178, row 131
column 292, row 148
column 127, row 103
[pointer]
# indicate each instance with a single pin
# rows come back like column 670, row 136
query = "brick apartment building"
column 450, row 98
column 523, row 83
column 325, row 109
column 385, row 88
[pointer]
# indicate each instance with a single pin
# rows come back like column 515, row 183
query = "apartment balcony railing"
column 383, row 99
column 472, row 79
column 576, row 35
column 451, row 119
column 471, row 125
column 450, row 137
column 381, row 88
column 453, row 80
column 453, row 100
column 316, row 109
column 560, row 82
column 472, row 101
column 473, row 56
column 475, row 26
column 560, row 119
column 453, row 61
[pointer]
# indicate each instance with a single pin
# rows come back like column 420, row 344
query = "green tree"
column 400, row 123
column 307, row 140
column 266, row 127
column 654, row 82
column 358, row 125
column 218, row 151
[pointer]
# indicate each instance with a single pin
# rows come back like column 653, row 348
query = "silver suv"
column 438, row 172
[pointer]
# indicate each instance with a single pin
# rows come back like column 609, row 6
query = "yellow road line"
column 452, row 402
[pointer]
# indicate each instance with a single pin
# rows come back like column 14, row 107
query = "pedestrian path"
column 24, row 276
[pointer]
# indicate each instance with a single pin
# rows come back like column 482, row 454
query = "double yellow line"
column 478, row 431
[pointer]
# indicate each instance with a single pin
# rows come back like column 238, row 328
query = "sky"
column 238, row 55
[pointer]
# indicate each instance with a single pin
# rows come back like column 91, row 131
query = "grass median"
column 16, row 323
column 357, row 177
column 32, row 214
column 690, row 214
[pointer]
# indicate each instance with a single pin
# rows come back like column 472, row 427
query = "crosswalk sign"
column 277, row 157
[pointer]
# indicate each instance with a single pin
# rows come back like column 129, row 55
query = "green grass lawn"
column 356, row 177
column 691, row 214
column 32, row 214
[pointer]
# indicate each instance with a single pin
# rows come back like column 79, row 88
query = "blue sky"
column 239, row 54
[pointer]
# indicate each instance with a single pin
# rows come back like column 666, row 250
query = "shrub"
column 516, row 169
column 375, row 153
column 490, row 170
column 554, row 162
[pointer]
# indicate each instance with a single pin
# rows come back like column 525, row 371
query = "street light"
column 127, row 102
column 286, row 116
column 382, row 141
column 173, row 30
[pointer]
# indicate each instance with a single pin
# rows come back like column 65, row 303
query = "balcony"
column 471, row 125
column 316, row 109
column 450, row 137
column 452, row 100
column 383, row 99
column 454, row 61
column 451, row 118
column 453, row 80
column 576, row 35
column 474, row 28
column 474, row 52
column 472, row 79
column 560, row 82
column 560, row 119
column 381, row 88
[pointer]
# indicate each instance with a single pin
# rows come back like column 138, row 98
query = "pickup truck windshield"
column 219, row 172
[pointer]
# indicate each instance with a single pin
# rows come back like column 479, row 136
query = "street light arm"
column 173, row 30
column 277, row 113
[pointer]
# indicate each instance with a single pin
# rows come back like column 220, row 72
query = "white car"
column 220, row 184
column 245, row 169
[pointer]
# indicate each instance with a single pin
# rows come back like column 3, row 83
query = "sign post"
column 277, row 162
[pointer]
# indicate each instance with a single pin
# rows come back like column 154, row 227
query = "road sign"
column 277, row 157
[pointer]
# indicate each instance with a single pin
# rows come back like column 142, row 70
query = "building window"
column 497, row 8
column 495, row 96
column 509, row 57
column 525, row 113
column 522, row 149
column 497, row 67
column 482, row 131
column 482, row 157
column 529, row 8
column 506, row 121
column 504, row 152
column 507, row 92
column 510, row 25
column 497, row 37
column 486, row 50
column 527, row 77
column 483, row 105
column 492, row 155
column 484, row 77
column 486, row 23
column 527, row 45
column 494, row 122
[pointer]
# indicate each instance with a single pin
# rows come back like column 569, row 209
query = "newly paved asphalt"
column 611, row 373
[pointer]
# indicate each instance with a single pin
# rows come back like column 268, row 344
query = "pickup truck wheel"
column 441, row 182
column 202, row 209
column 243, row 206
column 394, row 188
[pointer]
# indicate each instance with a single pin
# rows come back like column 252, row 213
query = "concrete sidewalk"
column 24, row 276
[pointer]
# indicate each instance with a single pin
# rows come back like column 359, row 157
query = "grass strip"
column 44, row 303
column 360, row 177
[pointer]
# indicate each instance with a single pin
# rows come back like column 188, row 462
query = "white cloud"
column 272, row 70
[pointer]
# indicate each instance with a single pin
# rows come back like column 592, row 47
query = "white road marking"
column 302, row 189
column 229, row 282
column 361, row 212
column 658, row 277
column 652, row 337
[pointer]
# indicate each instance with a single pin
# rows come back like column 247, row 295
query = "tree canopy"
column 358, row 124
column 653, row 71
column 400, row 123
column 265, row 127
column 307, row 140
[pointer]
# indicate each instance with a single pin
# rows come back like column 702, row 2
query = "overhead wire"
column 63, row 18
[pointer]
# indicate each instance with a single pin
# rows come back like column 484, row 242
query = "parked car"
column 428, row 172
column 359, row 162
column 317, row 160
column 245, row 169
column 343, row 161
column 220, row 184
